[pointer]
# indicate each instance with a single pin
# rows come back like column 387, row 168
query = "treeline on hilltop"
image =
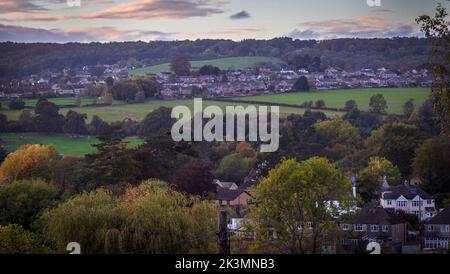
column 19, row 59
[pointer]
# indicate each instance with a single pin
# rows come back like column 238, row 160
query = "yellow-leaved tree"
column 29, row 162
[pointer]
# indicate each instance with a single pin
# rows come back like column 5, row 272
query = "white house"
column 409, row 199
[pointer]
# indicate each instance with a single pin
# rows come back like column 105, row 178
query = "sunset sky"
column 129, row 20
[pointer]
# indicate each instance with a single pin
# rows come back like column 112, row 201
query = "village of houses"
column 231, row 83
column 403, row 220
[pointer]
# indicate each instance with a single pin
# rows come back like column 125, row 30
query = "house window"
column 374, row 228
column 309, row 225
column 402, row 203
column 345, row 227
column 445, row 228
column 430, row 228
column 385, row 228
column 417, row 213
column 389, row 202
column 359, row 227
column 429, row 202
column 416, row 204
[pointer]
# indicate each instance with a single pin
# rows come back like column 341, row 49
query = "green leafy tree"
column 16, row 240
column 408, row 108
column 437, row 29
column 234, row 168
column 75, row 123
column 333, row 132
column 150, row 218
column 22, row 201
column 396, row 142
column 16, row 104
column 47, row 117
column 432, row 164
column 378, row 104
column 155, row 122
column 301, row 84
column 373, row 175
column 293, row 195
column 350, row 105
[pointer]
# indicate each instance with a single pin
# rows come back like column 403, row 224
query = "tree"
column 408, row 108
column 245, row 149
column 3, row 122
column 155, row 122
column 140, row 97
column 109, row 81
column 180, row 65
column 97, row 126
column 378, row 104
column 194, row 178
column 234, row 168
column 149, row 219
column 373, row 175
column 95, row 91
column 301, row 84
column 29, row 162
column 16, row 240
column 16, row 104
column 209, row 70
column 148, row 85
column 293, row 195
column 125, row 90
column 350, row 105
column 334, row 132
column 426, row 119
column 437, row 29
column 3, row 154
column 75, row 123
column 396, row 142
column 432, row 164
column 108, row 98
column 47, row 117
column 320, row 104
column 22, row 201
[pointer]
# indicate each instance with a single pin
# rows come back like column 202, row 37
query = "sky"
column 64, row 21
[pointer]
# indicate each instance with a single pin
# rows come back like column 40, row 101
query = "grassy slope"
column 63, row 143
column 222, row 63
column 336, row 98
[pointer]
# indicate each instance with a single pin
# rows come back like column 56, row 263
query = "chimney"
column 353, row 180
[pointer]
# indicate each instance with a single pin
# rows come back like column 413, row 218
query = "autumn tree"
column 293, row 203
column 194, row 178
column 28, row 162
column 180, row 65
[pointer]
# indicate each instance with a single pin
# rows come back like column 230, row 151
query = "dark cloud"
column 240, row 15
column 304, row 34
column 95, row 34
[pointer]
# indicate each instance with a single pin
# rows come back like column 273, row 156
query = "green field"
column 333, row 98
column 222, row 63
column 65, row 144
column 395, row 97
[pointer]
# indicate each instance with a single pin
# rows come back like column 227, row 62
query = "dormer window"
column 359, row 227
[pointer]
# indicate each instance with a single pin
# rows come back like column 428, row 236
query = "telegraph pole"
column 223, row 241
